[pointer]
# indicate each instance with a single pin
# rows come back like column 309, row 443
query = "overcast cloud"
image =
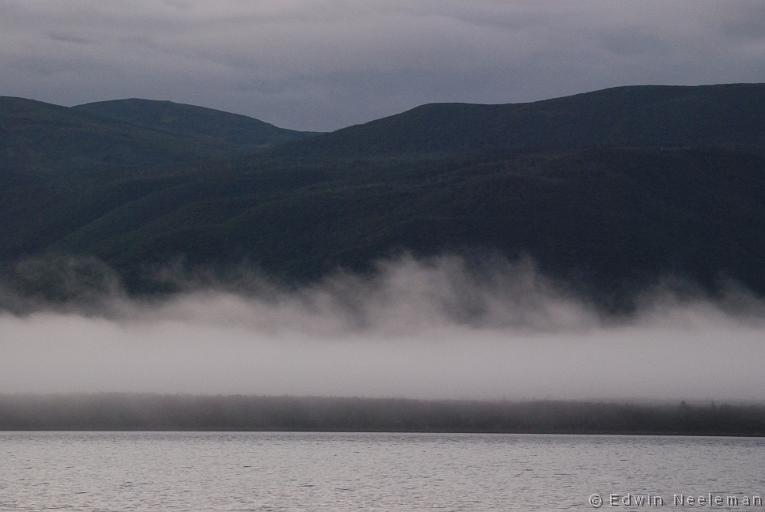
column 323, row 64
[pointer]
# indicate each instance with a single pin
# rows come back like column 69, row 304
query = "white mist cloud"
column 417, row 329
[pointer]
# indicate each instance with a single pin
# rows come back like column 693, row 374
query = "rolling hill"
column 37, row 137
column 216, row 127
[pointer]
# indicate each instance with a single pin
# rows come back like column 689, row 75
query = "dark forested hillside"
column 41, row 138
column 610, row 191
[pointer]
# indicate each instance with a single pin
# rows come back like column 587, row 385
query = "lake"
column 168, row 471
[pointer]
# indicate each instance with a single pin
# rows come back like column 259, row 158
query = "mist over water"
column 419, row 329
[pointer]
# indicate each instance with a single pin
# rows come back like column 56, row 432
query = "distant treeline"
column 236, row 412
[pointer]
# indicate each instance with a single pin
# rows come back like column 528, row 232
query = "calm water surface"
column 386, row 472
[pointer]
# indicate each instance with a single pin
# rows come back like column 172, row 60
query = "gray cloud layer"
column 322, row 64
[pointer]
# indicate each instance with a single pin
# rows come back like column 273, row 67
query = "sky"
column 325, row 64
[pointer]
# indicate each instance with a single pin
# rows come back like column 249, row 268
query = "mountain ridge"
column 610, row 116
column 44, row 137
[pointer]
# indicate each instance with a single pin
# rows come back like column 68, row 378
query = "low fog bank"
column 252, row 413
column 432, row 329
